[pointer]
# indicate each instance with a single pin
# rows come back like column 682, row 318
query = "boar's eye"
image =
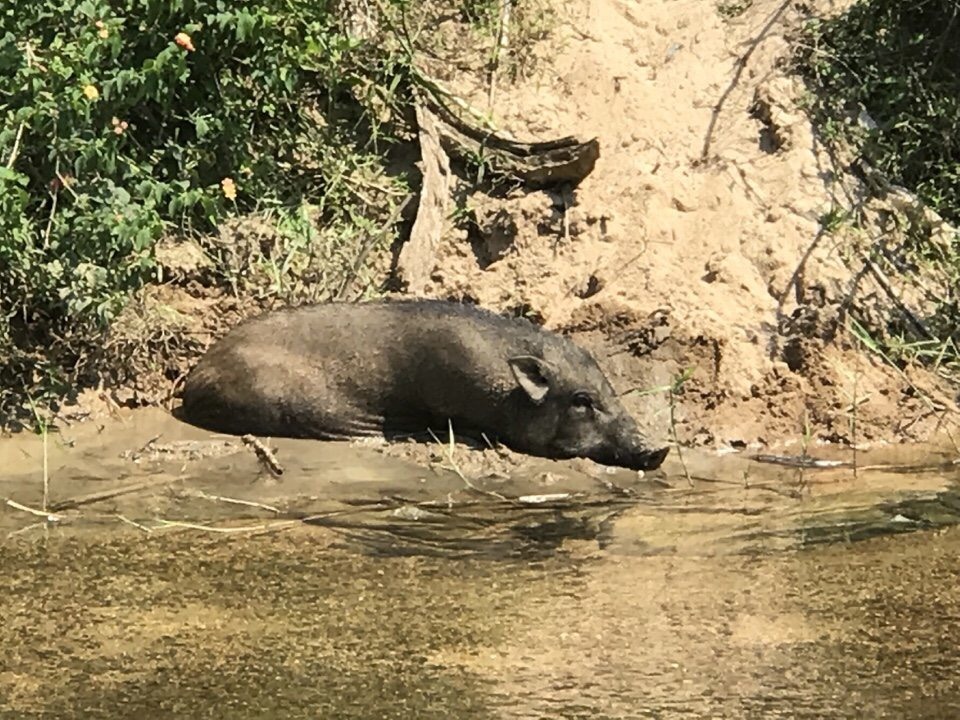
column 582, row 401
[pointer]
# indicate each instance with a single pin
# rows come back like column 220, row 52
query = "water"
column 754, row 592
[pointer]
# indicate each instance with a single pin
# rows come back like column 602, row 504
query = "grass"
column 731, row 9
column 674, row 390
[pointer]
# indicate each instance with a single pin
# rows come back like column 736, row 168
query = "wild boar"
column 400, row 367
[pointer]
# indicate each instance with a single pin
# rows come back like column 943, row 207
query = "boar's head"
column 567, row 408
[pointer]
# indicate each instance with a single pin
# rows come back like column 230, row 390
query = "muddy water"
column 360, row 584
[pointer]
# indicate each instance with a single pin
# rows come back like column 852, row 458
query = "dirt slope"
column 685, row 247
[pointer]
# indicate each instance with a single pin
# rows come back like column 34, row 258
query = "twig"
column 812, row 463
column 16, row 146
column 885, row 285
column 740, row 67
column 65, row 183
column 276, row 526
column 147, row 444
column 674, row 388
column 431, row 85
column 90, row 498
column 613, row 488
column 872, row 345
column 853, row 415
column 798, row 270
column 46, row 474
column 50, row 517
column 41, row 424
column 361, row 257
column 540, row 499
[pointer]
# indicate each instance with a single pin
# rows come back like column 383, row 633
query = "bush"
column 900, row 62
column 124, row 120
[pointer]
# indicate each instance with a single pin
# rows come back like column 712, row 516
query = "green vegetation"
column 887, row 90
column 124, row 123
column 731, row 9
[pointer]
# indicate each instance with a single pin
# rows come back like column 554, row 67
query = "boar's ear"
column 531, row 374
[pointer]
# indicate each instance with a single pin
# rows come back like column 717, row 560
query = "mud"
column 369, row 580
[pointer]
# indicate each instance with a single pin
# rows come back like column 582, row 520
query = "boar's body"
column 342, row 370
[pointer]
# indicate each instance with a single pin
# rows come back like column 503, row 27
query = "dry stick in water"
column 42, row 427
column 804, row 443
column 24, row 530
column 99, row 495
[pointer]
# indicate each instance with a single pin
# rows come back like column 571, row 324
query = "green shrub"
column 123, row 120
column 901, row 63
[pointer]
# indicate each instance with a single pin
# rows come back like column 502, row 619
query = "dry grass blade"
column 233, row 501
column 133, row 523
column 221, row 530
column 455, row 467
column 25, row 530
column 50, row 517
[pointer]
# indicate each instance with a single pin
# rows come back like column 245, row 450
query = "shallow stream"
column 175, row 575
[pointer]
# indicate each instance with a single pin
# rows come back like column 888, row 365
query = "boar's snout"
column 634, row 453
column 649, row 459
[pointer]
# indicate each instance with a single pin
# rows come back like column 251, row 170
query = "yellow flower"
column 91, row 92
column 229, row 188
column 103, row 33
